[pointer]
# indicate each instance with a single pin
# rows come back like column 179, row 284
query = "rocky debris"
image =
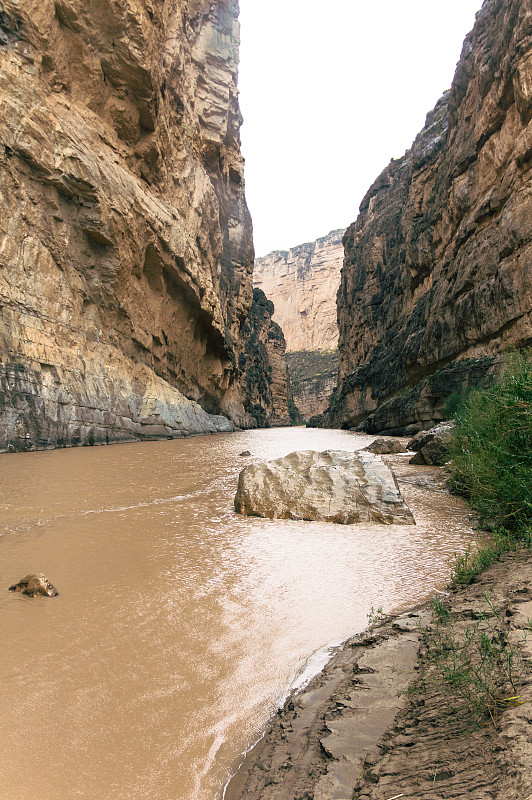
column 432, row 446
column 264, row 379
column 301, row 283
column 385, row 446
column 244, row 453
column 333, row 486
column 126, row 246
column 362, row 729
column 436, row 280
column 37, row 583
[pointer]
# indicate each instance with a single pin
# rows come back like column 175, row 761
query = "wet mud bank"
column 367, row 727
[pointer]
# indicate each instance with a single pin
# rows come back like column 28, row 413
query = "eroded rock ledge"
column 436, row 280
column 125, row 242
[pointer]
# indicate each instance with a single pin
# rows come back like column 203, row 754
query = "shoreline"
column 139, row 440
column 355, row 731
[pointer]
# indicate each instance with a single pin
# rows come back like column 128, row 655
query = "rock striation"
column 301, row 283
column 437, row 277
column 333, row 486
column 126, row 249
column 264, row 378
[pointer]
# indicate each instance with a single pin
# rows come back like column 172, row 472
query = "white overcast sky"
column 330, row 92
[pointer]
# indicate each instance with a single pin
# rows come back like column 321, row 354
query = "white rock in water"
column 332, row 486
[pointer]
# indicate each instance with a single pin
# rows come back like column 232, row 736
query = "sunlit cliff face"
column 126, row 252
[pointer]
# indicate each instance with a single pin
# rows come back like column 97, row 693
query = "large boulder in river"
column 333, row 486
column 37, row 583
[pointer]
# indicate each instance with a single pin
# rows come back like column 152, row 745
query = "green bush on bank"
column 491, row 455
column 491, row 462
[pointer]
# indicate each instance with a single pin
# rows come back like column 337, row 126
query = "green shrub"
column 491, row 452
column 454, row 403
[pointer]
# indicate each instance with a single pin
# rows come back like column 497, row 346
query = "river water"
column 180, row 625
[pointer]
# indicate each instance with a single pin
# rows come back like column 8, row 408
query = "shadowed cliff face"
column 264, row 375
column 125, row 242
column 438, row 264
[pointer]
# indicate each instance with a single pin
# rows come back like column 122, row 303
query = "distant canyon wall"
column 126, row 250
column 437, row 278
column 302, row 283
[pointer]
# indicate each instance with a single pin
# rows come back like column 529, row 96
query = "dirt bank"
column 355, row 732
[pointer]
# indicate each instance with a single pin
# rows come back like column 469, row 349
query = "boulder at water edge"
column 35, row 584
column 386, row 446
column 432, row 446
column 333, row 486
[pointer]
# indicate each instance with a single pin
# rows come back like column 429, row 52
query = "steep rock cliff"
column 302, row 283
column 264, row 375
column 438, row 265
column 313, row 377
column 125, row 242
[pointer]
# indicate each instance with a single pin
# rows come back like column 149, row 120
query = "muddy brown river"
column 180, row 625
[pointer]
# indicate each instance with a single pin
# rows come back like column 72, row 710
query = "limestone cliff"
column 437, row 278
column 302, row 283
column 125, row 242
column 264, row 376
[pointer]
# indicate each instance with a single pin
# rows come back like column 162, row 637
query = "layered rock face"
column 437, row 279
column 125, row 242
column 301, row 283
column 264, row 375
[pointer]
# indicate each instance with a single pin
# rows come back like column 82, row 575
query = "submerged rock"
column 332, row 486
column 244, row 453
column 37, row 583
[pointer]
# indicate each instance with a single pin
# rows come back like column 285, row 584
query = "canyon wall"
column 437, row 277
column 126, row 248
column 302, row 283
column 313, row 378
column 264, row 375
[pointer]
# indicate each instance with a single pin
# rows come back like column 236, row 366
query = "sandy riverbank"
column 355, row 732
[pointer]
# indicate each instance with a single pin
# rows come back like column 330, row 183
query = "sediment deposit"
column 437, row 278
column 125, row 241
column 366, row 727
